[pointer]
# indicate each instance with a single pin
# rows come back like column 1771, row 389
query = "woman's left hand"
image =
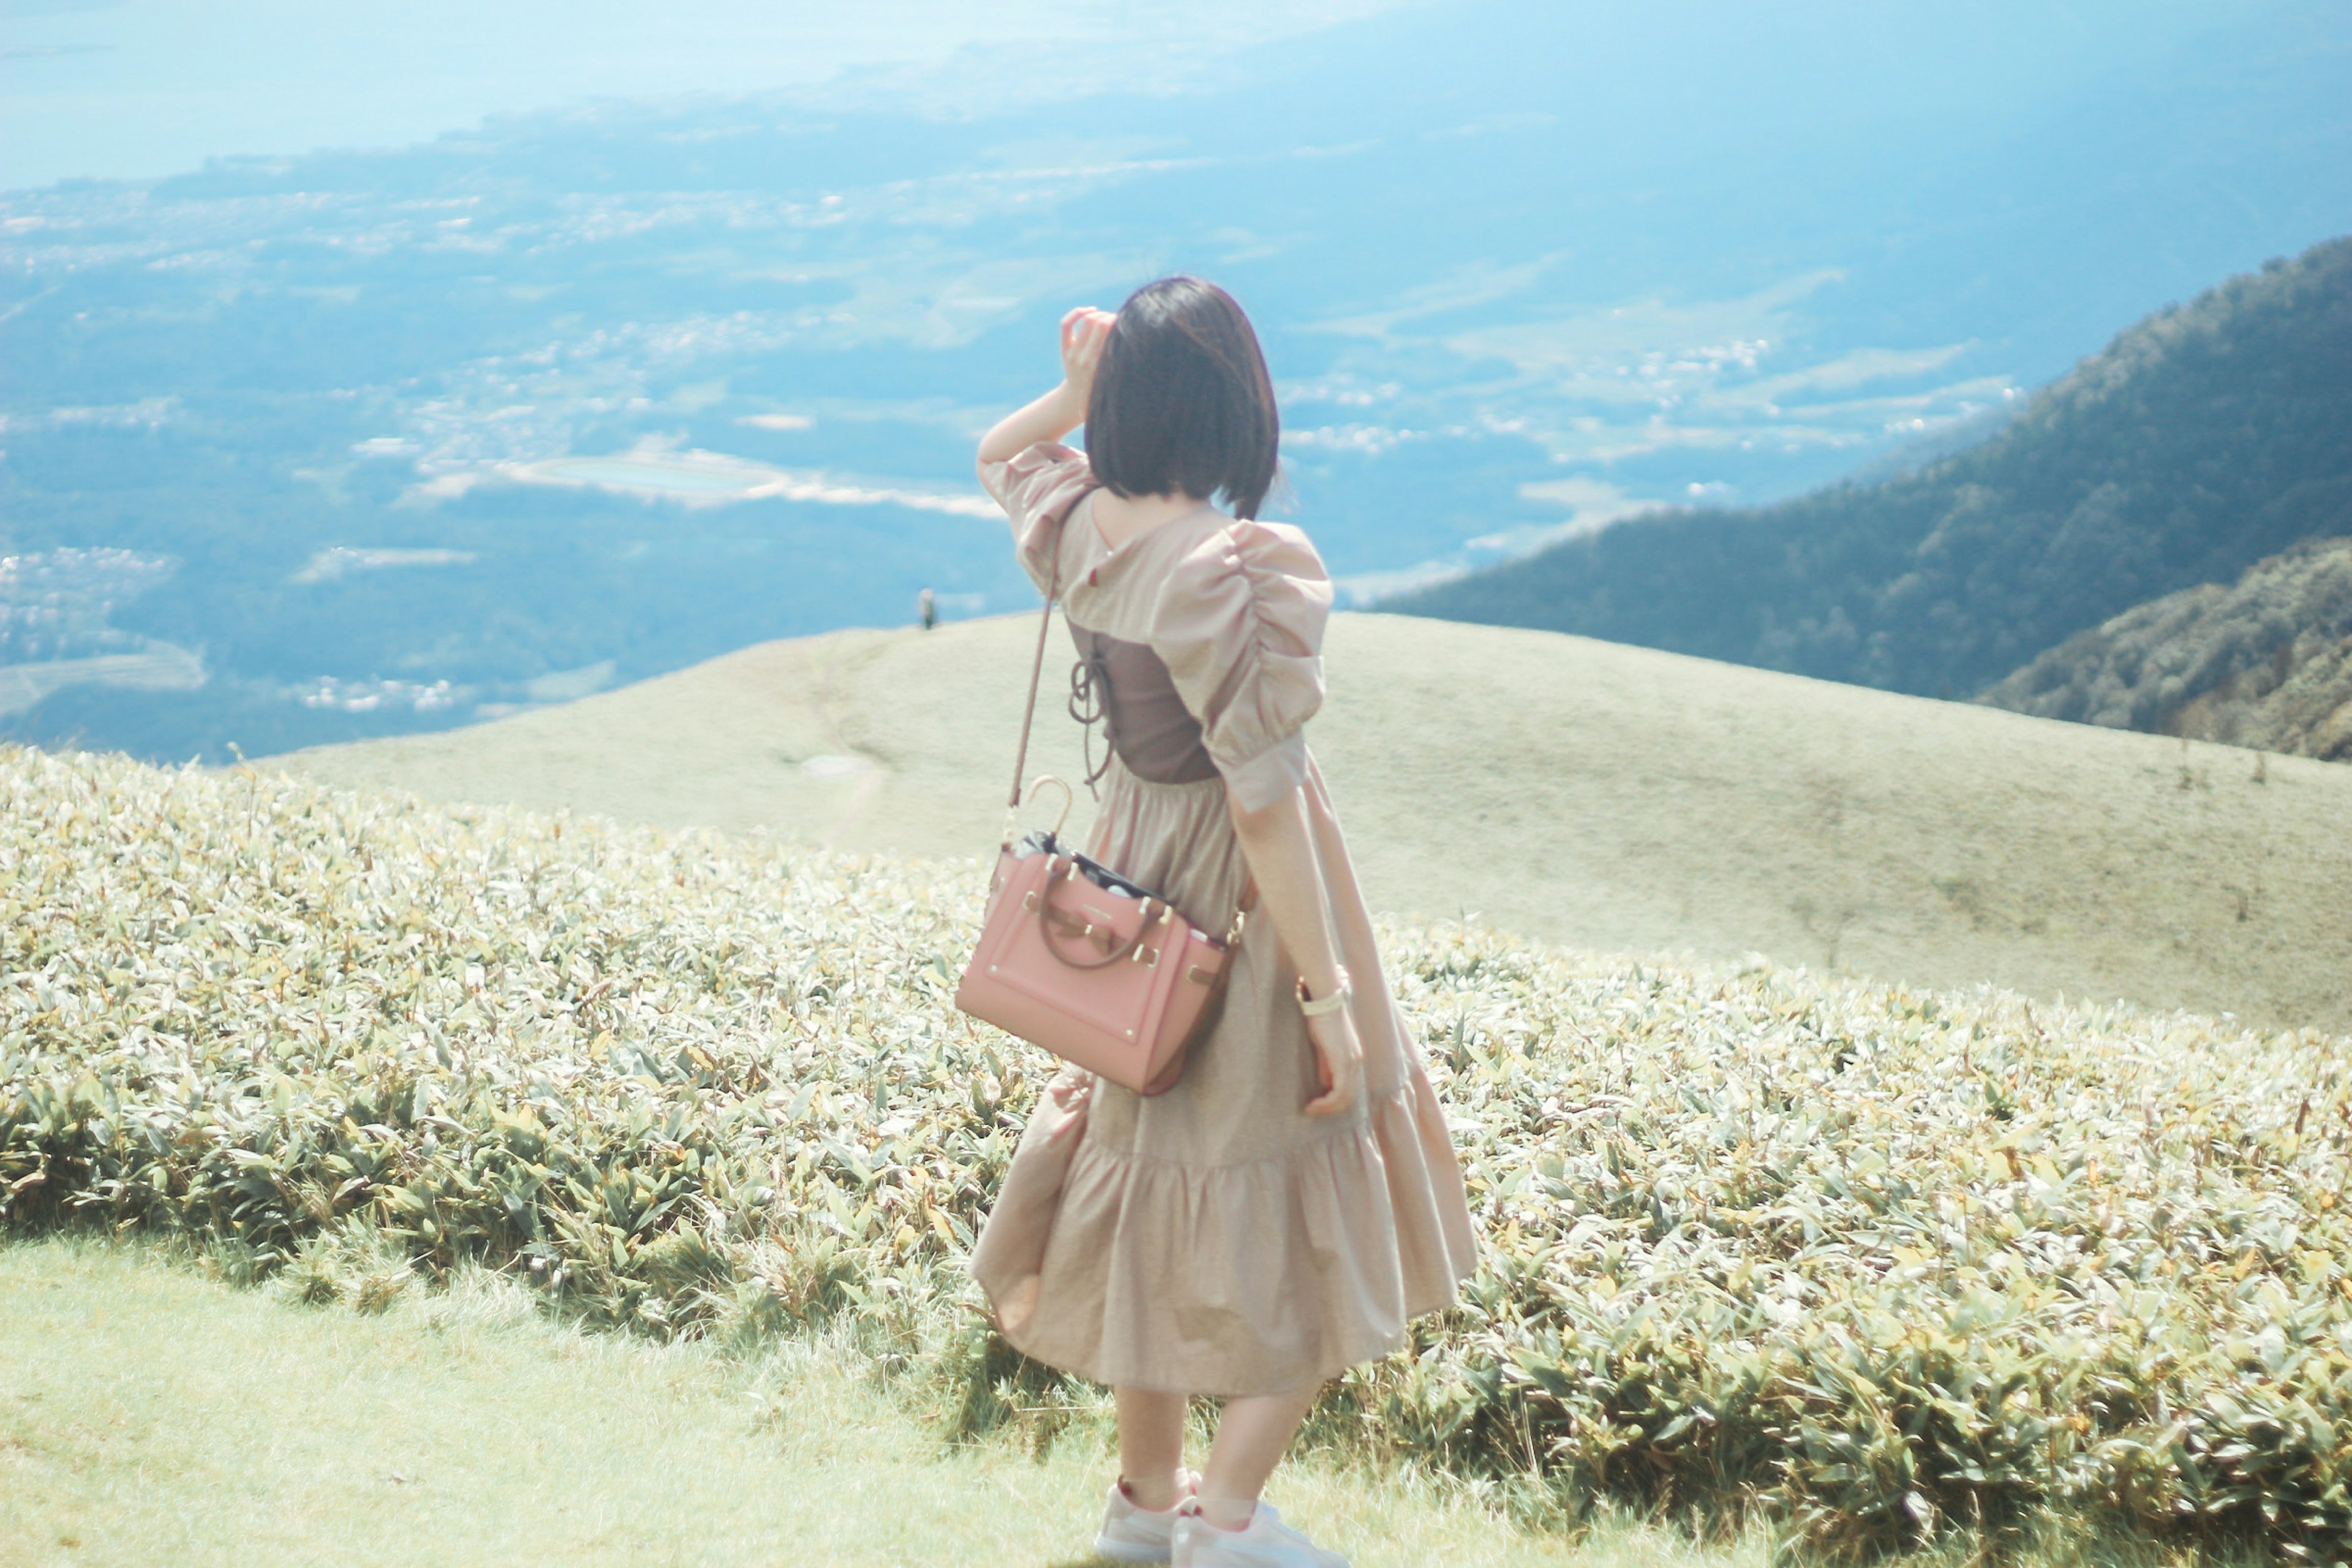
column 1338, row 1062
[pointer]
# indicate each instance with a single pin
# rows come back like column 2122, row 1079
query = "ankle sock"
column 1203, row 1514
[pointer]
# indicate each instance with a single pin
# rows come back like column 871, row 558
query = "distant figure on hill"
column 1280, row 1213
column 926, row 605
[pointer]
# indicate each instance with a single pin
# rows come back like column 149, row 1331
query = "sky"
column 139, row 89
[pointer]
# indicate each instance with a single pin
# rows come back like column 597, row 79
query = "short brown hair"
column 1181, row 400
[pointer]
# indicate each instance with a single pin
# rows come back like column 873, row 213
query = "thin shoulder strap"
column 1036, row 672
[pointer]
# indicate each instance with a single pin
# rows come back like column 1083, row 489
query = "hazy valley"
column 348, row 444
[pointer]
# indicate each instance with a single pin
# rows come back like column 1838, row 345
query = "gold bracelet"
column 1315, row 1007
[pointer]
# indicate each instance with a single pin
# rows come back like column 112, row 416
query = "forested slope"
column 2202, row 440
column 2266, row 662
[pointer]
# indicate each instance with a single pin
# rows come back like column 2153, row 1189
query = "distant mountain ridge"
column 2202, row 440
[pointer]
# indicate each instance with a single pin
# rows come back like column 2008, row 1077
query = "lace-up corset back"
column 1128, row 688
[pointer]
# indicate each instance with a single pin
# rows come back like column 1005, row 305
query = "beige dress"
column 1215, row 1239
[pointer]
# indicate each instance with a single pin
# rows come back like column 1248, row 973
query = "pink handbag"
column 1076, row 958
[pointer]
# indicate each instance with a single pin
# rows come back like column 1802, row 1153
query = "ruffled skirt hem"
column 1247, row 1279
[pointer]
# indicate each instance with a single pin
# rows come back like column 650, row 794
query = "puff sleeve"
column 1239, row 623
column 1037, row 487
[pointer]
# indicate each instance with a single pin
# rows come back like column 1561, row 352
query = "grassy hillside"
column 2266, row 662
column 1873, row 1263
column 2202, row 440
column 1616, row 798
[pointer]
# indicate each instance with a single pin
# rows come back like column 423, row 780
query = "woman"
column 1279, row 1215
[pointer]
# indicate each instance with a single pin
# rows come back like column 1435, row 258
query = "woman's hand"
column 1062, row 410
column 1338, row 1062
column 1278, row 842
column 1084, row 332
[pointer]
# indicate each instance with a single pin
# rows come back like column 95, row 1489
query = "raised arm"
column 1279, row 844
column 1064, row 409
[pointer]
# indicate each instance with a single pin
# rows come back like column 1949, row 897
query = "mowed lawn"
column 150, row 1415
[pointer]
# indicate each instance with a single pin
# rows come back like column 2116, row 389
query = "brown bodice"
column 1126, row 686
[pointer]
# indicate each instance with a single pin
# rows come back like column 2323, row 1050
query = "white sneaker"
column 1266, row 1543
column 1132, row 1535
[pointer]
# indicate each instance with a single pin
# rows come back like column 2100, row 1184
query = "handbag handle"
column 1155, row 913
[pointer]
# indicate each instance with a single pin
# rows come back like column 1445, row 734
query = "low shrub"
column 1876, row 1261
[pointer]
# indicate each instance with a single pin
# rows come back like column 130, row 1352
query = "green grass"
column 151, row 1414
